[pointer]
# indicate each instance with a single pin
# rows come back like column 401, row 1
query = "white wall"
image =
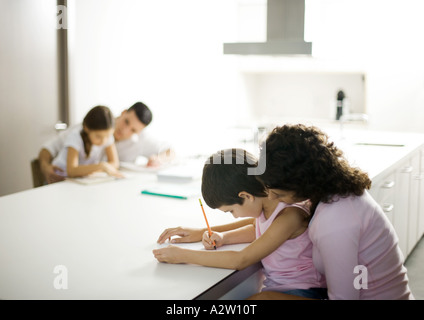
column 296, row 95
column 169, row 55
column 381, row 39
column 28, row 87
column 165, row 53
column 384, row 38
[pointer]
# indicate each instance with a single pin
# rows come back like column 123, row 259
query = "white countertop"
column 375, row 152
column 104, row 235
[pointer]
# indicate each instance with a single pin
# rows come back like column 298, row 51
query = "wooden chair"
column 37, row 176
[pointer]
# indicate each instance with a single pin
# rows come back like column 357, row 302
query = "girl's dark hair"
column 303, row 160
column 98, row 118
column 143, row 112
column 225, row 175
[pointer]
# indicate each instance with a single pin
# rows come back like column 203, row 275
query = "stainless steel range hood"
column 285, row 32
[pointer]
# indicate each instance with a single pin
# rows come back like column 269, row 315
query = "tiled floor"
column 415, row 266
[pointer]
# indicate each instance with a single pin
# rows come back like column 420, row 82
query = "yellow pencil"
column 207, row 223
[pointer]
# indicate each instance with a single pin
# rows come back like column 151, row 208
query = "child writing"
column 86, row 145
column 278, row 233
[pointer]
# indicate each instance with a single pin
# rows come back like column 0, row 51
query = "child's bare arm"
column 73, row 169
column 112, row 156
column 195, row 234
column 282, row 228
column 245, row 234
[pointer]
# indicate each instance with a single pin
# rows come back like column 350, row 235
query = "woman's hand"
column 207, row 240
column 185, row 235
column 170, row 254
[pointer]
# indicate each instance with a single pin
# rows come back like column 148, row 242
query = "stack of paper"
column 181, row 173
column 97, row 177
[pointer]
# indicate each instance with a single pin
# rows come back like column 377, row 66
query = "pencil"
column 207, row 223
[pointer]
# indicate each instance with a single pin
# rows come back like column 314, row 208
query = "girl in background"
column 88, row 144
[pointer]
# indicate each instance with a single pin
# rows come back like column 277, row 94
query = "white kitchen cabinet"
column 395, row 163
column 400, row 218
column 392, row 194
column 414, row 198
column 421, row 197
column 383, row 192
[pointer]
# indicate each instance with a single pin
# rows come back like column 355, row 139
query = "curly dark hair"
column 301, row 159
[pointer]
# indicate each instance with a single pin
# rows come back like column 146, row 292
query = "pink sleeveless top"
column 290, row 266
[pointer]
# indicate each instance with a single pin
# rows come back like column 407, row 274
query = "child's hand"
column 185, row 234
column 207, row 241
column 117, row 174
column 170, row 254
column 111, row 170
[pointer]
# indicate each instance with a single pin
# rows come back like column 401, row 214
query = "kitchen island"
column 395, row 163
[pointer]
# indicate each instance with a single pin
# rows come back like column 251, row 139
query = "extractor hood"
column 285, row 32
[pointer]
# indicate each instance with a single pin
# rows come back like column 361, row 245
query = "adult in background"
column 131, row 141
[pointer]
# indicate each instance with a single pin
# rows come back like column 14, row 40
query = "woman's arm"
column 335, row 234
column 281, row 229
column 195, row 234
column 339, row 255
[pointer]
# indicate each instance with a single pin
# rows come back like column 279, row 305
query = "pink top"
column 355, row 246
column 290, row 266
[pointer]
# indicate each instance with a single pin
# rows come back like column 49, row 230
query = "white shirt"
column 73, row 139
column 142, row 144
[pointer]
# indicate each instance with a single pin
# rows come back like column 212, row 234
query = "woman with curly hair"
column 354, row 245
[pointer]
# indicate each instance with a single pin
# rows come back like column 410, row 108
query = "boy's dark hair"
column 144, row 114
column 222, row 179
